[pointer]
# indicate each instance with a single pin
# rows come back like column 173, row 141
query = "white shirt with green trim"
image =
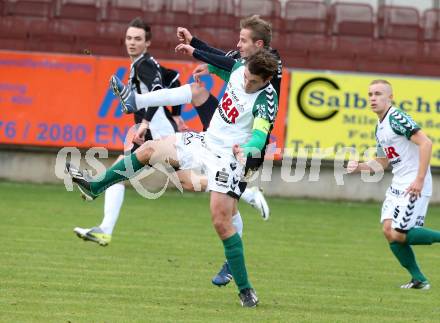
column 233, row 120
column 393, row 141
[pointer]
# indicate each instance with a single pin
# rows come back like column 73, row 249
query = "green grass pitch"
column 313, row 261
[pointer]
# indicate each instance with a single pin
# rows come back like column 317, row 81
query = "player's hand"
column 184, row 49
column 239, row 154
column 139, row 137
column 200, row 70
column 415, row 189
column 183, row 35
column 181, row 125
column 352, row 166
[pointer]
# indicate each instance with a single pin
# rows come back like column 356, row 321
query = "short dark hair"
column 261, row 29
column 262, row 63
column 139, row 23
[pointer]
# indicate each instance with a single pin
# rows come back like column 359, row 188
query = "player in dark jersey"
column 146, row 75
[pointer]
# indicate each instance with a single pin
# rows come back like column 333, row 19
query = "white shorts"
column 223, row 170
column 406, row 212
column 160, row 126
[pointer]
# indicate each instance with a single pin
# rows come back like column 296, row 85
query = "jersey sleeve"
column 169, row 77
column 200, row 44
column 224, row 75
column 219, row 61
column 265, row 110
column 402, row 124
column 150, row 74
column 266, row 105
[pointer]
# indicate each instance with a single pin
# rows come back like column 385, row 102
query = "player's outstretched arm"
column 218, row 61
column 186, row 37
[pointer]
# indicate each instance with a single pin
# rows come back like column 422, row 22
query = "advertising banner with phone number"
column 64, row 100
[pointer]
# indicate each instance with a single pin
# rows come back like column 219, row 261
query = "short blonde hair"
column 381, row 81
column 261, row 29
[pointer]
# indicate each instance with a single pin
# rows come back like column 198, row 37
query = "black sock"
column 206, row 110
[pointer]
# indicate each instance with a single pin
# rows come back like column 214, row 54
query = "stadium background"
column 56, row 58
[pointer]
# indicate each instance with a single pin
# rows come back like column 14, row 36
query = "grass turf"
column 313, row 261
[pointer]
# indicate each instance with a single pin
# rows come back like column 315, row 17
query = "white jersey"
column 233, row 120
column 393, row 140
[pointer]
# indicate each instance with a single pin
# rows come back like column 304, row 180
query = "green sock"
column 407, row 259
column 422, row 236
column 113, row 176
column 235, row 255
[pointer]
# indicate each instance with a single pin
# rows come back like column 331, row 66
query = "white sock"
column 237, row 222
column 248, row 196
column 114, row 196
column 169, row 97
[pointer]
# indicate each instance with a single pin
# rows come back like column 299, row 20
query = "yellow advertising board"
column 329, row 112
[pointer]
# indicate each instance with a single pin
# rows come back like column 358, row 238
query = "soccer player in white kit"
column 239, row 128
column 403, row 145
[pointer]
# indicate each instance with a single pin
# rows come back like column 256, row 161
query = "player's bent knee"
column 394, row 236
column 187, row 186
column 144, row 153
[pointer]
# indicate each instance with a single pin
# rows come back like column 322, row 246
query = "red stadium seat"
column 305, row 25
column 163, row 43
column 353, row 28
column 269, row 10
column 264, row 8
column 29, row 8
column 58, row 36
column 431, row 24
column 352, row 19
column 79, row 9
column 399, row 22
column 14, row 33
column 176, row 13
column 213, row 14
column 152, row 11
column 106, row 39
column 124, row 11
column 399, row 27
column 431, row 34
column 164, row 37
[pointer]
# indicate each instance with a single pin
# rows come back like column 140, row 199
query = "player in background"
column 147, row 75
column 255, row 34
column 403, row 145
column 238, row 129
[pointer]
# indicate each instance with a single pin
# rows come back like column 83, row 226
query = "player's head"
column 255, row 33
column 260, row 68
column 380, row 96
column 137, row 38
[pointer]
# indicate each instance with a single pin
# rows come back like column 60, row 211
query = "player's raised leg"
column 132, row 102
column 150, row 153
